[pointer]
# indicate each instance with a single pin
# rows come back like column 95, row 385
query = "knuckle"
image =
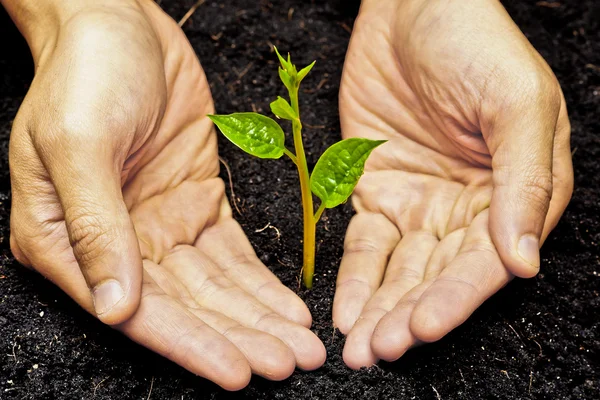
column 90, row 238
column 361, row 245
column 537, row 189
column 541, row 87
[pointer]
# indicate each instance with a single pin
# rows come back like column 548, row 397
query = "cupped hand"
column 117, row 200
column 476, row 173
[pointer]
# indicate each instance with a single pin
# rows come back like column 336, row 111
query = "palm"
column 418, row 255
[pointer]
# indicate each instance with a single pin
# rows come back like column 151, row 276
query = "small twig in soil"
column 233, row 199
column 573, row 152
column 513, row 329
column 319, row 86
column 241, row 74
column 217, row 36
column 505, row 373
column 530, row 380
column 592, row 66
column 14, row 354
column 346, row 27
column 262, row 229
column 270, row 227
column 151, row 386
column 99, row 383
column 539, row 345
column 300, row 278
column 290, row 13
column 190, row 12
column 549, row 4
column 437, row 394
column 276, row 231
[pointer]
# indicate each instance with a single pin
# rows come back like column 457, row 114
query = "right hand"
column 117, row 200
column 476, row 173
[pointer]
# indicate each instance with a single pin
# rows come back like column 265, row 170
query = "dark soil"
column 535, row 339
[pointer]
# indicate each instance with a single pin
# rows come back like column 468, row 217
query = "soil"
column 537, row 338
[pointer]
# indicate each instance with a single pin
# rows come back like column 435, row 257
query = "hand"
column 476, row 173
column 116, row 198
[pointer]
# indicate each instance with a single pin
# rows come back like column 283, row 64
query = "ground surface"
column 536, row 339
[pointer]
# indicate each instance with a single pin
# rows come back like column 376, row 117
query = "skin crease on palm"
column 478, row 155
column 114, row 173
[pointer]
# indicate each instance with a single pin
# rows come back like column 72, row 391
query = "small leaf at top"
column 338, row 170
column 287, row 80
column 256, row 134
column 282, row 109
column 304, row 71
column 285, row 64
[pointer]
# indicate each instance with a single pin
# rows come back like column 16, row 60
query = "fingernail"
column 529, row 250
column 107, row 295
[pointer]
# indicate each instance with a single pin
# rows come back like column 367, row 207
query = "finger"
column 562, row 171
column 166, row 327
column 521, row 143
column 38, row 232
column 405, row 270
column 369, row 242
column 268, row 356
column 211, row 289
column 104, row 242
column 226, row 244
column 392, row 336
column 472, row 277
column 444, row 253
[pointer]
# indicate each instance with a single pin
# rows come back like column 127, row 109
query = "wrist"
column 40, row 21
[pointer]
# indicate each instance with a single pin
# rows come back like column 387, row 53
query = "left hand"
column 114, row 171
column 476, row 173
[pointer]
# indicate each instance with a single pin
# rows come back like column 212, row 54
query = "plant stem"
column 290, row 155
column 308, row 267
column 319, row 212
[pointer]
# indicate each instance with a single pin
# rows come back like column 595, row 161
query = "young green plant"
column 333, row 178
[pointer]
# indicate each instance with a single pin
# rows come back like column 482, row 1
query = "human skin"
column 116, row 196
column 478, row 157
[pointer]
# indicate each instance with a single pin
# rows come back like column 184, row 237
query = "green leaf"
column 282, row 109
column 304, row 71
column 285, row 64
column 287, row 80
column 338, row 170
column 254, row 133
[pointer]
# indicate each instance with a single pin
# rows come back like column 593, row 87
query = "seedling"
column 336, row 173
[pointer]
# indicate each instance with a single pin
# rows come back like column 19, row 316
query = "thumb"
column 521, row 143
column 101, row 233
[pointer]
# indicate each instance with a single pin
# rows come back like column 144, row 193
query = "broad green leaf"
column 338, row 170
column 282, row 109
column 304, row 71
column 254, row 133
